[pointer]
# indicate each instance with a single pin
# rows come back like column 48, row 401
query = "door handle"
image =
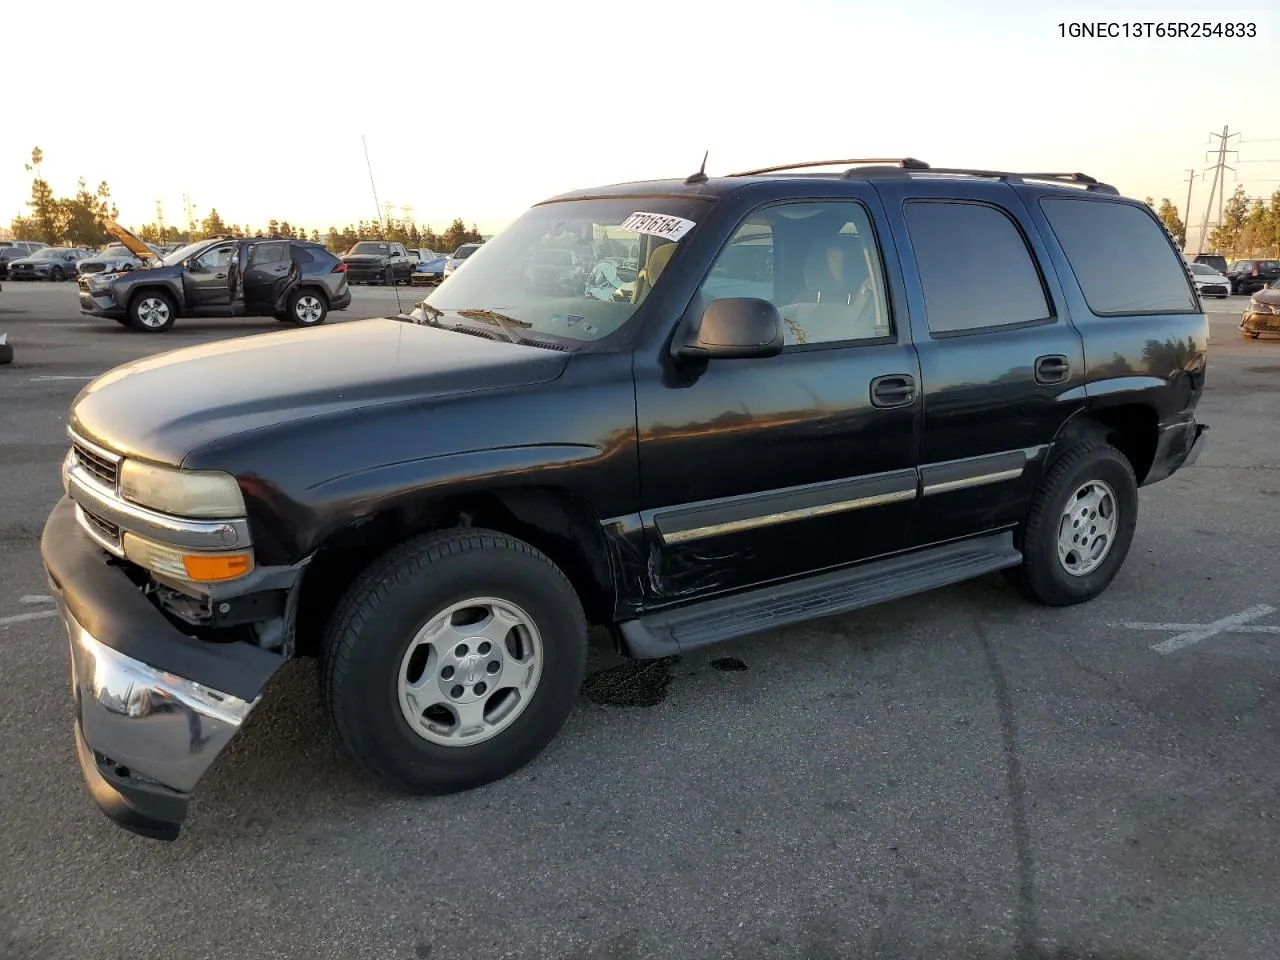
column 1052, row 369
column 219, row 276
column 894, row 390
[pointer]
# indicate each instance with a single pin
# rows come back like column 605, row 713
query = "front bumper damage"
column 154, row 707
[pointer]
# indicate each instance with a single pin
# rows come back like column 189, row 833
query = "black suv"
column 802, row 393
column 296, row 281
column 1247, row 276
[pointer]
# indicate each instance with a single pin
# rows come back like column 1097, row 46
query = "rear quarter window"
column 1121, row 257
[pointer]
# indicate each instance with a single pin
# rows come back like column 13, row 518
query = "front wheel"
column 56, row 275
column 453, row 660
column 1080, row 526
column 152, row 312
column 307, row 308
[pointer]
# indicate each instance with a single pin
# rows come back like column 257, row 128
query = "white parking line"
column 24, row 617
column 50, row 379
column 1191, row 633
column 36, row 598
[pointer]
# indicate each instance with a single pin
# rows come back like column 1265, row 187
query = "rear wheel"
column 453, row 660
column 152, row 312
column 1080, row 526
column 307, row 308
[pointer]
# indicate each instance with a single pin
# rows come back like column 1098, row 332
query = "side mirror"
column 191, row 265
column 734, row 328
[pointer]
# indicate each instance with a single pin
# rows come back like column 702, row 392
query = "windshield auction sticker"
column 658, row 225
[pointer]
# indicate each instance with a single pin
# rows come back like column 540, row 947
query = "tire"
column 56, row 275
column 152, row 311
column 1043, row 575
column 307, row 308
column 366, row 660
column 1250, row 334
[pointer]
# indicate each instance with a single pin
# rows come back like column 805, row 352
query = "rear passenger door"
column 268, row 268
column 1002, row 368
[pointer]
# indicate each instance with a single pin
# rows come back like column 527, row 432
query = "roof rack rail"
column 1080, row 179
column 906, row 163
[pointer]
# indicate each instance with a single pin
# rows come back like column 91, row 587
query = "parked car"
column 378, row 261
column 116, row 258
column 429, row 272
column 1218, row 263
column 1250, row 275
column 437, row 505
column 459, row 255
column 297, row 281
column 25, row 246
column 1209, row 282
column 48, row 263
column 1262, row 312
column 8, row 255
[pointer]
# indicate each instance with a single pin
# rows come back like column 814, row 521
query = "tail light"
column 340, row 267
column 1254, row 271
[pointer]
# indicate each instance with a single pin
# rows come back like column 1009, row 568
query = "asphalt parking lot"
column 964, row 777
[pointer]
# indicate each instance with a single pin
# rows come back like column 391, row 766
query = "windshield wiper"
column 502, row 320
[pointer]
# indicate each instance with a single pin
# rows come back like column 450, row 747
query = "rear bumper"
column 1179, row 445
column 153, row 706
column 342, row 300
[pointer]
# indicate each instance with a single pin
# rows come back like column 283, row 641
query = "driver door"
column 207, row 281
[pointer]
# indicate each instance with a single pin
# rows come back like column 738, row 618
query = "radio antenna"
column 701, row 175
column 382, row 225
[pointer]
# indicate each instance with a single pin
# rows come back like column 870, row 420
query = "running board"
column 676, row 631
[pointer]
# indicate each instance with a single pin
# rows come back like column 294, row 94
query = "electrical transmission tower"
column 189, row 211
column 1219, row 182
column 160, row 216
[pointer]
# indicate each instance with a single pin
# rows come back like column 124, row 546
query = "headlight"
column 100, row 281
column 183, row 493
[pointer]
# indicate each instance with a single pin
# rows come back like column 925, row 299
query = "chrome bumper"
column 144, row 737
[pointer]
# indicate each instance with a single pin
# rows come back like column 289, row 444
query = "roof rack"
column 908, row 163
column 1077, row 179
column 898, row 167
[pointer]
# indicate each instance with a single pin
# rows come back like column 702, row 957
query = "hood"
column 133, row 243
column 163, row 408
column 1268, row 295
column 365, row 257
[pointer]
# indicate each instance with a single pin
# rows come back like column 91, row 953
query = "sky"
column 479, row 108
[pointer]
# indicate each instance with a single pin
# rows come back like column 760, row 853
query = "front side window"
column 1121, row 257
column 975, row 268
column 817, row 262
column 216, row 259
column 622, row 245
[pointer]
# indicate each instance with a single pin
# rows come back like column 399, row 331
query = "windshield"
column 175, row 258
column 1203, row 270
column 370, row 247
column 464, row 251
column 624, row 244
column 48, row 253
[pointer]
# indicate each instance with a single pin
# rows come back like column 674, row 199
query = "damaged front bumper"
column 153, row 706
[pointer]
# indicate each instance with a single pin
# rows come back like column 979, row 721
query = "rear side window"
column 314, row 257
column 975, row 267
column 1121, row 257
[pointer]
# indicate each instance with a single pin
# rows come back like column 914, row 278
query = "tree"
column 1173, row 223
column 1226, row 235
column 45, row 211
column 213, row 225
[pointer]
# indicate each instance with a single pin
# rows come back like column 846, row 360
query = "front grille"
column 105, row 528
column 92, row 267
column 1214, row 289
column 99, row 466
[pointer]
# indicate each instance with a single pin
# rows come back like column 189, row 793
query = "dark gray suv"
column 295, row 281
